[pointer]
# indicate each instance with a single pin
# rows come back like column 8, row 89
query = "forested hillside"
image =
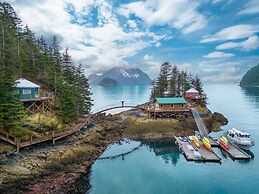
column 251, row 78
column 174, row 82
column 22, row 54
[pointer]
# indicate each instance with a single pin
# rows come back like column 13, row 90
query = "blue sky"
column 218, row 39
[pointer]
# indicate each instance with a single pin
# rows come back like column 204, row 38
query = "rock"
column 17, row 170
column 42, row 155
column 3, row 160
column 219, row 118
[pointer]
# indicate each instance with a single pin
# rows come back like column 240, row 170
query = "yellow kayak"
column 206, row 143
column 195, row 141
column 223, row 138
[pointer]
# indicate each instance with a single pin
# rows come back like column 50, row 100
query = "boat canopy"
column 238, row 133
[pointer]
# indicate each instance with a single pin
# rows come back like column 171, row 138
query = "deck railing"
column 50, row 135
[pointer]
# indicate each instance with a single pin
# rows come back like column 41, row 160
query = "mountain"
column 251, row 78
column 120, row 76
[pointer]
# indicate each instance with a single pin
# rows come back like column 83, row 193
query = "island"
column 49, row 137
column 251, row 78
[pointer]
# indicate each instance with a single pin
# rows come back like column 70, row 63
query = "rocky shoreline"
column 60, row 168
column 65, row 167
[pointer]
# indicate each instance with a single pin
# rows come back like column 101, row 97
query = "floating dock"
column 190, row 152
column 236, row 153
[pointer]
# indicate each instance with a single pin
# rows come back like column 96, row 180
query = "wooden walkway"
column 190, row 152
column 112, row 108
column 47, row 136
column 236, row 153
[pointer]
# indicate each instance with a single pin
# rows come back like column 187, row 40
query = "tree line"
column 22, row 54
column 174, row 82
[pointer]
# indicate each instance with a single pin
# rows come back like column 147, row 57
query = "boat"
column 223, row 142
column 241, row 139
column 206, row 144
column 195, row 141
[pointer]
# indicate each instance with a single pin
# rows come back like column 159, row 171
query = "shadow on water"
column 167, row 150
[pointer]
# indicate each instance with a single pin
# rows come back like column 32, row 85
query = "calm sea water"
column 158, row 167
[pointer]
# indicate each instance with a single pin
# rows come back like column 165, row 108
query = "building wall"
column 192, row 95
column 170, row 106
column 28, row 93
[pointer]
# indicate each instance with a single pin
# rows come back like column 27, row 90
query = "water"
column 159, row 167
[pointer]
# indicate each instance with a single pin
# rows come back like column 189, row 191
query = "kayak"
column 223, row 145
column 206, row 143
column 223, row 138
column 224, row 142
column 195, row 141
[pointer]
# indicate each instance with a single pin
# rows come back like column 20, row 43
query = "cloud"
column 251, row 43
column 252, row 7
column 98, row 45
column 132, row 23
column 148, row 57
column 217, row 54
column 232, row 33
column 182, row 15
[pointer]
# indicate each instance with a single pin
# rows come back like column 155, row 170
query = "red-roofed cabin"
column 192, row 94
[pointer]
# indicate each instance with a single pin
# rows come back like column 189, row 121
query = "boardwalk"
column 115, row 110
column 202, row 129
column 51, row 135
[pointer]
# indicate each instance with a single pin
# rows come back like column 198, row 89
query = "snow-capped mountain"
column 121, row 76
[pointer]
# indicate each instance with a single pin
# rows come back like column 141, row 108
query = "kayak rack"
column 189, row 151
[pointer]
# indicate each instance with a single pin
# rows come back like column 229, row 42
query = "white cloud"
column 217, row 54
column 179, row 14
column 148, row 57
column 216, row 1
column 132, row 23
column 100, row 45
column 252, row 7
column 232, row 33
column 250, row 44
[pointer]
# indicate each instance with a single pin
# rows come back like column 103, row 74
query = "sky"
column 217, row 39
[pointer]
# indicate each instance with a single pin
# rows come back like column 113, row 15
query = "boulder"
column 17, row 170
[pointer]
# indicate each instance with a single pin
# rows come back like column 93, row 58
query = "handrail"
column 111, row 108
column 23, row 142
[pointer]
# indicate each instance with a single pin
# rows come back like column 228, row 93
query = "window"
column 26, row 91
column 36, row 90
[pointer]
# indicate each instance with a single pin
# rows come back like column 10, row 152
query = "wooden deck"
column 36, row 99
column 189, row 154
column 236, row 153
column 47, row 136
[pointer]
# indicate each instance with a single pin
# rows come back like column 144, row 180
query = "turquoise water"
column 158, row 167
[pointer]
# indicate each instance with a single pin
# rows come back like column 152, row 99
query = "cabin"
column 192, row 94
column 27, row 89
column 172, row 103
column 34, row 99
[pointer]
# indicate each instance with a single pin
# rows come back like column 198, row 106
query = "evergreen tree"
column 24, row 55
column 173, row 81
column 176, row 81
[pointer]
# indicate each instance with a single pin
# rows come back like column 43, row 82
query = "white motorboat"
column 241, row 139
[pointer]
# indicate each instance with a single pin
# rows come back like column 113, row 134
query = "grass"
column 157, row 128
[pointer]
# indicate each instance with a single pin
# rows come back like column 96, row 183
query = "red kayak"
column 224, row 145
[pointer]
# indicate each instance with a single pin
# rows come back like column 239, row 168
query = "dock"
column 236, row 153
column 206, row 156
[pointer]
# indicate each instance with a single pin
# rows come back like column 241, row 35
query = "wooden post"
column 53, row 137
column 18, row 144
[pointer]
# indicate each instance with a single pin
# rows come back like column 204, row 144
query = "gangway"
column 202, row 129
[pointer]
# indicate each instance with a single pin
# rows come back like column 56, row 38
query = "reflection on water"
column 158, row 167
column 167, row 150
